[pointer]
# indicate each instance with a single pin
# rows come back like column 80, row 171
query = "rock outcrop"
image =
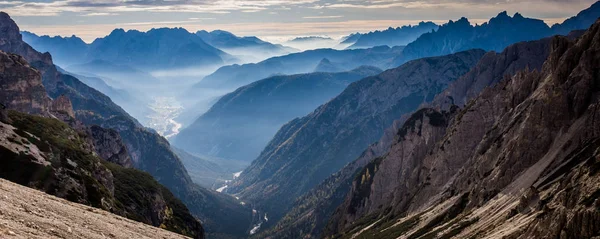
column 62, row 105
column 21, row 85
column 519, row 161
column 109, row 146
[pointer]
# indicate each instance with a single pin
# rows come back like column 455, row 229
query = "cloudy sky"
column 270, row 19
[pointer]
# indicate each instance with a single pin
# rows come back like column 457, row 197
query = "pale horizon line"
column 89, row 34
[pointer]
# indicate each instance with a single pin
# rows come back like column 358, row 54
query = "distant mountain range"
column 64, row 50
column 583, row 20
column 234, row 76
column 399, row 36
column 310, row 39
column 241, row 123
column 243, row 46
column 158, row 48
column 312, row 42
column 494, row 35
column 350, row 39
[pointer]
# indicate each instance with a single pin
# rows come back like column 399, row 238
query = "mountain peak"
column 518, row 15
column 222, row 32
column 463, row 20
column 117, row 31
column 8, row 28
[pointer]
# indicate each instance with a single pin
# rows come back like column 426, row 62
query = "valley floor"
column 28, row 213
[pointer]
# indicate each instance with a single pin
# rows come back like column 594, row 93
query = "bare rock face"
column 312, row 211
column 3, row 114
column 21, row 85
column 12, row 41
column 62, row 105
column 491, row 69
column 307, row 150
column 519, row 161
column 110, row 147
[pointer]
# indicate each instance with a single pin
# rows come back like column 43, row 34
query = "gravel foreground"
column 28, row 213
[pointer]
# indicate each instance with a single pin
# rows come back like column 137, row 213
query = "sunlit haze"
column 273, row 20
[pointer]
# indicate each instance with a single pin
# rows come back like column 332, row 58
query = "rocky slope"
column 498, row 33
column 148, row 151
column 208, row 173
column 399, row 36
column 582, row 20
column 49, row 155
column 241, row 123
column 312, row 211
column 29, row 213
column 519, row 161
column 307, row 150
column 21, row 85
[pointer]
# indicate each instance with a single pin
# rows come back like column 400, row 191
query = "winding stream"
column 162, row 116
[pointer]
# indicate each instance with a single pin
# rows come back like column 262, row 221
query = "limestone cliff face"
column 491, row 69
column 12, row 41
column 62, row 105
column 21, row 85
column 519, row 161
column 307, row 150
column 109, row 146
column 312, row 211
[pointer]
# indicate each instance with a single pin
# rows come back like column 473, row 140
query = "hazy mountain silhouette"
column 234, row 76
column 161, row 48
column 241, row 123
column 245, row 46
column 494, row 35
column 583, row 20
column 399, row 36
column 64, row 50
